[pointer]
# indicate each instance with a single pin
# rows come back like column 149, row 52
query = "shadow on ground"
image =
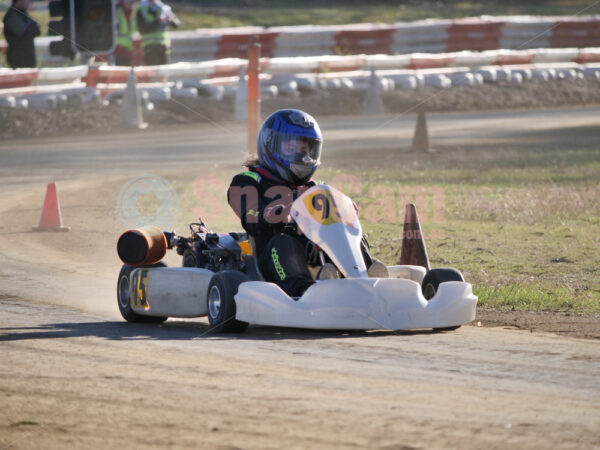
column 174, row 330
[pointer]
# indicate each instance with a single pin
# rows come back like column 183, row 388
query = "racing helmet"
column 289, row 145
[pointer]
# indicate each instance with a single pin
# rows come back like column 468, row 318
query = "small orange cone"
column 51, row 219
column 413, row 250
column 420, row 141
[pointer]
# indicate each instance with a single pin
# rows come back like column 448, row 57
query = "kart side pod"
column 142, row 246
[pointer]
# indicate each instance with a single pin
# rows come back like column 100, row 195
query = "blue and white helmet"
column 289, row 145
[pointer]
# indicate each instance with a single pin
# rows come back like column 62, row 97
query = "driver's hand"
column 291, row 223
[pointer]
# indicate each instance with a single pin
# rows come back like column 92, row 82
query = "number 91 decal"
column 325, row 207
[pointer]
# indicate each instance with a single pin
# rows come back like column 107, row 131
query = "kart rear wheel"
column 220, row 302
column 431, row 283
column 123, row 298
column 189, row 259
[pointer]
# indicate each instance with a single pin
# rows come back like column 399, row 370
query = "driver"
column 288, row 153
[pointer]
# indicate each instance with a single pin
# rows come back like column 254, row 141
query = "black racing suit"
column 20, row 31
column 263, row 205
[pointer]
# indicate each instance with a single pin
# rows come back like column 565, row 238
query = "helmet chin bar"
column 302, row 172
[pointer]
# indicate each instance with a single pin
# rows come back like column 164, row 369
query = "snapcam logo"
column 148, row 200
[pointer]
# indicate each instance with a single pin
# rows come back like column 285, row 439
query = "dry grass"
column 548, row 203
column 522, row 225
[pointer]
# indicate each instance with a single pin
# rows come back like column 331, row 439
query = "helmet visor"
column 296, row 149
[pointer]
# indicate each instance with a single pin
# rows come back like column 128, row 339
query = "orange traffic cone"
column 51, row 219
column 413, row 250
column 420, row 141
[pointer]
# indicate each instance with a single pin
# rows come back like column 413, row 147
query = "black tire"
column 189, row 258
column 220, row 303
column 123, row 299
column 431, row 283
column 435, row 277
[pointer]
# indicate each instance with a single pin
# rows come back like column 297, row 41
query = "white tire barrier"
column 437, row 81
column 404, row 81
column 268, row 91
column 229, row 67
column 183, row 93
column 157, row 94
column 488, row 75
column 8, row 102
column 516, row 78
column 540, row 75
column 76, row 94
column 42, row 101
column 288, row 89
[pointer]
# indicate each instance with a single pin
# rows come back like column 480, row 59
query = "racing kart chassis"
column 220, row 279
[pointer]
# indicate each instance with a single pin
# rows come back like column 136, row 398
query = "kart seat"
column 252, row 269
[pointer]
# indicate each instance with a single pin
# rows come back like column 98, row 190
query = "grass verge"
column 523, row 227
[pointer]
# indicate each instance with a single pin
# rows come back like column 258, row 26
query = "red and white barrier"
column 579, row 32
column 427, row 36
column 473, row 34
column 229, row 67
column 424, row 36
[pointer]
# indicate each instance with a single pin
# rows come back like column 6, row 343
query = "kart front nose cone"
column 357, row 304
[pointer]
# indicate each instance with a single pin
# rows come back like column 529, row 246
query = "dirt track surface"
column 74, row 375
column 71, row 379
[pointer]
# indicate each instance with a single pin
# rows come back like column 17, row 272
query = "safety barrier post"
column 253, row 94
column 91, row 79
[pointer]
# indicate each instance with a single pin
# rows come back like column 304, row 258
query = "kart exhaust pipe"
column 142, row 246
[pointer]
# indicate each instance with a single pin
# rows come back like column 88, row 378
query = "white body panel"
column 415, row 273
column 358, row 304
column 328, row 218
column 173, row 292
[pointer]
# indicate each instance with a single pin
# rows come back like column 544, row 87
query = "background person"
column 20, row 31
column 153, row 17
column 126, row 25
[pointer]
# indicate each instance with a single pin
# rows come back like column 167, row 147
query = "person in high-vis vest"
column 20, row 31
column 153, row 17
column 125, row 29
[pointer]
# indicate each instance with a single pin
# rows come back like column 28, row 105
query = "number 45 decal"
column 138, row 289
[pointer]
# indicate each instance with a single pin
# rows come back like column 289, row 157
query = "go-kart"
column 220, row 278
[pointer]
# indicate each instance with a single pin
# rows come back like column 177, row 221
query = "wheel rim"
column 124, row 298
column 429, row 291
column 214, row 302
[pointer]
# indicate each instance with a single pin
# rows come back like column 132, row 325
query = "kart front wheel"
column 431, row 283
column 220, row 302
column 435, row 277
column 124, row 299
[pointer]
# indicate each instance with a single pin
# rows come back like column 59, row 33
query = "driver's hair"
column 251, row 160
